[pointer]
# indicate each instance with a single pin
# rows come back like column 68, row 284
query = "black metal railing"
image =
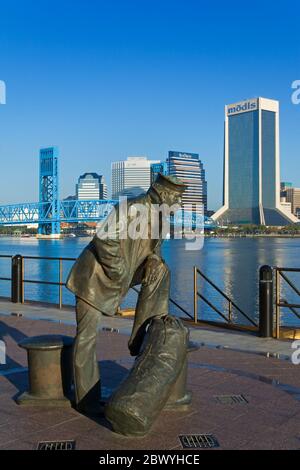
column 5, row 257
column 231, row 304
column 22, row 280
column 283, row 303
column 59, row 282
column 172, row 302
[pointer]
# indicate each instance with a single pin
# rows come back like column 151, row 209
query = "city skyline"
column 117, row 80
column 163, row 160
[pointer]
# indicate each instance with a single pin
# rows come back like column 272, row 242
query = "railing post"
column 277, row 303
column 60, row 282
column 266, row 302
column 195, row 295
column 17, row 279
column 230, row 312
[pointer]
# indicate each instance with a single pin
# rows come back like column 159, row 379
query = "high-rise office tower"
column 131, row 177
column 251, row 165
column 91, row 186
column 189, row 168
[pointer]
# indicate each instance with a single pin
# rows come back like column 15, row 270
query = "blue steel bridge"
column 69, row 211
column 41, row 213
column 50, row 211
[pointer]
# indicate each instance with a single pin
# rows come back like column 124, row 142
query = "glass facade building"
column 157, row 168
column 189, row 168
column 251, row 165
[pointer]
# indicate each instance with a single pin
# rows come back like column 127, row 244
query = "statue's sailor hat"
column 170, row 182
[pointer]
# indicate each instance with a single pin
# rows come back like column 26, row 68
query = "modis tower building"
column 251, row 193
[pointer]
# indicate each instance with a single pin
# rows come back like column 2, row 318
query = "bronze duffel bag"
column 135, row 405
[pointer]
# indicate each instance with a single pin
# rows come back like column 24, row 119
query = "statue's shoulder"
column 141, row 199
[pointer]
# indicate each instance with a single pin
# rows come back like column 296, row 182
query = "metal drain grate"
column 198, row 441
column 56, row 445
column 111, row 330
column 231, row 399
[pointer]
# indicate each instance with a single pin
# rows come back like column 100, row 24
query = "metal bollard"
column 17, row 279
column 266, row 302
column 49, row 370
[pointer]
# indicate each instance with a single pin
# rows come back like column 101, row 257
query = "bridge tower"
column 49, row 193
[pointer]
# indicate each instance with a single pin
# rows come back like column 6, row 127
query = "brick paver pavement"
column 268, row 419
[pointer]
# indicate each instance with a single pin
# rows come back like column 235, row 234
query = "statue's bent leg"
column 153, row 301
column 85, row 365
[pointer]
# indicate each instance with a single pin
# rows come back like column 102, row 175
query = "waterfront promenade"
column 266, row 416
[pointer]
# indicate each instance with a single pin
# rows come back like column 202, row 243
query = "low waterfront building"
column 283, row 187
column 293, row 197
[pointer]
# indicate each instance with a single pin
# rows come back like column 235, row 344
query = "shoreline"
column 254, row 235
column 264, row 235
column 206, row 235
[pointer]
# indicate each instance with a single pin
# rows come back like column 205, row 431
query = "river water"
column 231, row 263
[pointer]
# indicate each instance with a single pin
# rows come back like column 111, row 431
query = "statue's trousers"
column 152, row 301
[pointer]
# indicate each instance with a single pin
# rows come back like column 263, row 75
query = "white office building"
column 131, row 177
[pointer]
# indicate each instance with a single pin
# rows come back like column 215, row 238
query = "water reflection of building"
column 241, row 271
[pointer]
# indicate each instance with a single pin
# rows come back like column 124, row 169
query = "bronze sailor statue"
column 104, row 272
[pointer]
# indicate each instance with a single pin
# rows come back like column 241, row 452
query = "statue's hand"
column 151, row 271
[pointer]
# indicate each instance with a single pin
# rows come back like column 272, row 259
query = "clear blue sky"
column 108, row 79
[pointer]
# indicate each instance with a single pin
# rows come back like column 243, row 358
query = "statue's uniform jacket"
column 107, row 268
